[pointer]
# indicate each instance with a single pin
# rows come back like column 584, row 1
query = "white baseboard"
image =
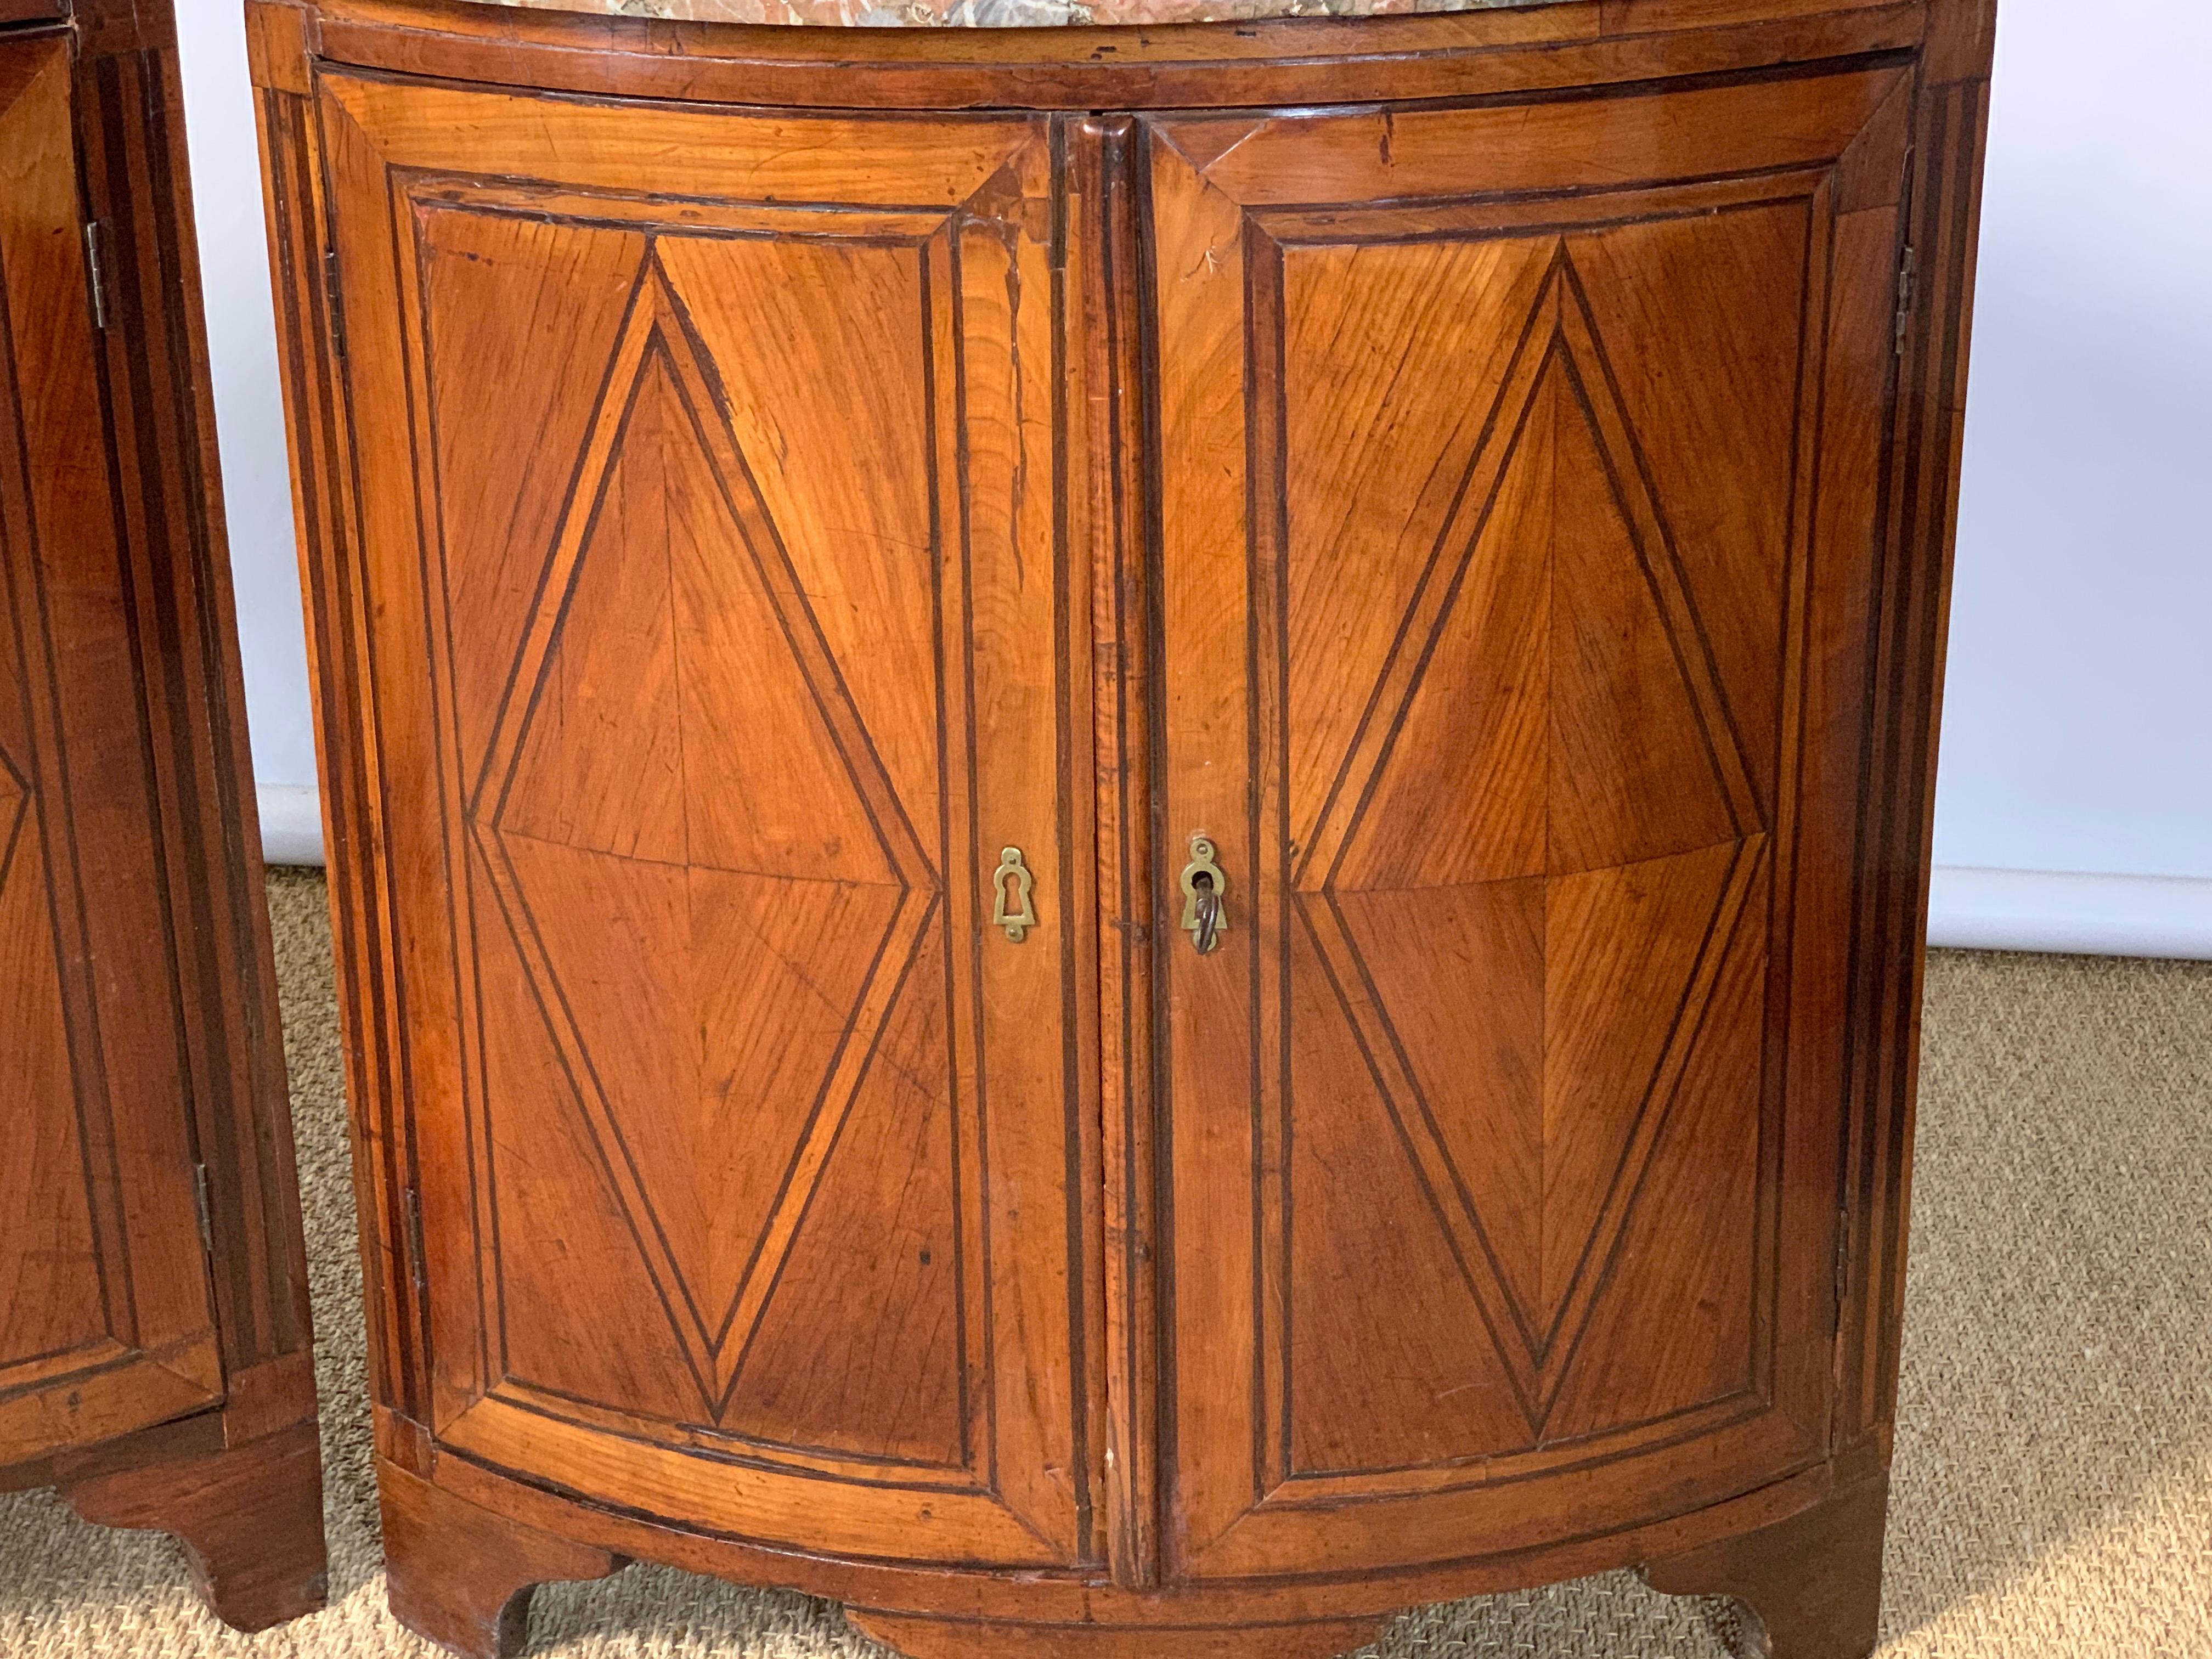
column 291, row 822
column 2070, row 912
column 1967, row 908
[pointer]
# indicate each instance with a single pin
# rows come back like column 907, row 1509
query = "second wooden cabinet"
column 156, row 1355
column 1141, row 872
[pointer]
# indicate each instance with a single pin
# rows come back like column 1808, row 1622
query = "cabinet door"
column 699, row 505
column 1519, row 519
column 105, row 1322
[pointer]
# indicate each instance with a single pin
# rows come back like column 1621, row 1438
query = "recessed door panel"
column 742, row 1137
column 1515, row 521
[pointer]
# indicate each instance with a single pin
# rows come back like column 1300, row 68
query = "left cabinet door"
column 106, row 1321
column 691, row 623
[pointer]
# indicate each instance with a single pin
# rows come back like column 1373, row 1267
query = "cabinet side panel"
column 1905, row 699
column 309, row 349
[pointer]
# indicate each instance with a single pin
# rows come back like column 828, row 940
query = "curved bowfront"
column 1130, row 823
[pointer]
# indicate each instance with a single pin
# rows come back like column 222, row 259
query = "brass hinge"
column 418, row 1274
column 335, row 310
column 95, row 265
column 1842, row 1268
column 200, row 1207
column 1908, row 288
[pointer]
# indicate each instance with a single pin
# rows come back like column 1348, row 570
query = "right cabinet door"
column 1521, row 485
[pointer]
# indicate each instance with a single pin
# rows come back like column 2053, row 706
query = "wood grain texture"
column 161, row 408
column 1912, row 626
column 1103, row 433
column 902, row 1589
column 1284, row 61
column 1961, row 41
column 1513, row 769
column 151, row 1266
column 102, row 1248
column 715, row 827
column 248, row 1513
column 463, row 1576
column 728, row 527
column 926, row 1638
column 1832, row 1611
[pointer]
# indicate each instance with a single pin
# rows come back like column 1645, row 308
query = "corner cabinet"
column 154, row 1348
column 1131, row 883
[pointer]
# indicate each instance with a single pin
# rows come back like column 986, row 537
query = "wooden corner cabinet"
column 1131, row 824
column 154, row 1360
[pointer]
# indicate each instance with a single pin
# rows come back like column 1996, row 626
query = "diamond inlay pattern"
column 1581, row 828
column 677, row 765
column 14, row 807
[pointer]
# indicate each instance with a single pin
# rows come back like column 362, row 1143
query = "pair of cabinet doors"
column 744, row 537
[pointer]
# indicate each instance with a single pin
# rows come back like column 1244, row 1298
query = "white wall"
column 249, row 420
column 2075, row 805
column 2078, row 726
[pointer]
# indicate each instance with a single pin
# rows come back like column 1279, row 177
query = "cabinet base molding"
column 934, row 1638
column 462, row 1576
column 1800, row 1558
column 250, row 1516
column 1808, row 1586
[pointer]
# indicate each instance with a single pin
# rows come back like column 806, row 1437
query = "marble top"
column 1007, row 14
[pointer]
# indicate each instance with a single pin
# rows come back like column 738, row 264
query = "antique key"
column 1203, row 917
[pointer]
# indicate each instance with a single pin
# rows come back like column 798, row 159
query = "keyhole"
column 1202, row 911
column 1209, row 912
column 1010, row 907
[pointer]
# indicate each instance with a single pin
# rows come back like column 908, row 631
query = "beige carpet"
column 2053, row 1490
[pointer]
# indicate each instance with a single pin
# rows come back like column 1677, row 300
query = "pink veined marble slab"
column 1007, row 14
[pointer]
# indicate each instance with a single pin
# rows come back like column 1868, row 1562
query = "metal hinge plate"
column 1842, row 1268
column 1908, row 288
column 418, row 1274
column 331, row 305
column 95, row 265
column 200, row 1207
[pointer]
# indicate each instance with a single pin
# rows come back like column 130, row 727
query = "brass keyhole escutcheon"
column 1204, row 917
column 1011, row 909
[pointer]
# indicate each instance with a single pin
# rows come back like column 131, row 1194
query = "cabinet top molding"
column 1492, row 50
column 1009, row 14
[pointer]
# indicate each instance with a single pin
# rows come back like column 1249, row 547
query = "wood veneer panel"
column 739, row 683
column 1515, row 710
